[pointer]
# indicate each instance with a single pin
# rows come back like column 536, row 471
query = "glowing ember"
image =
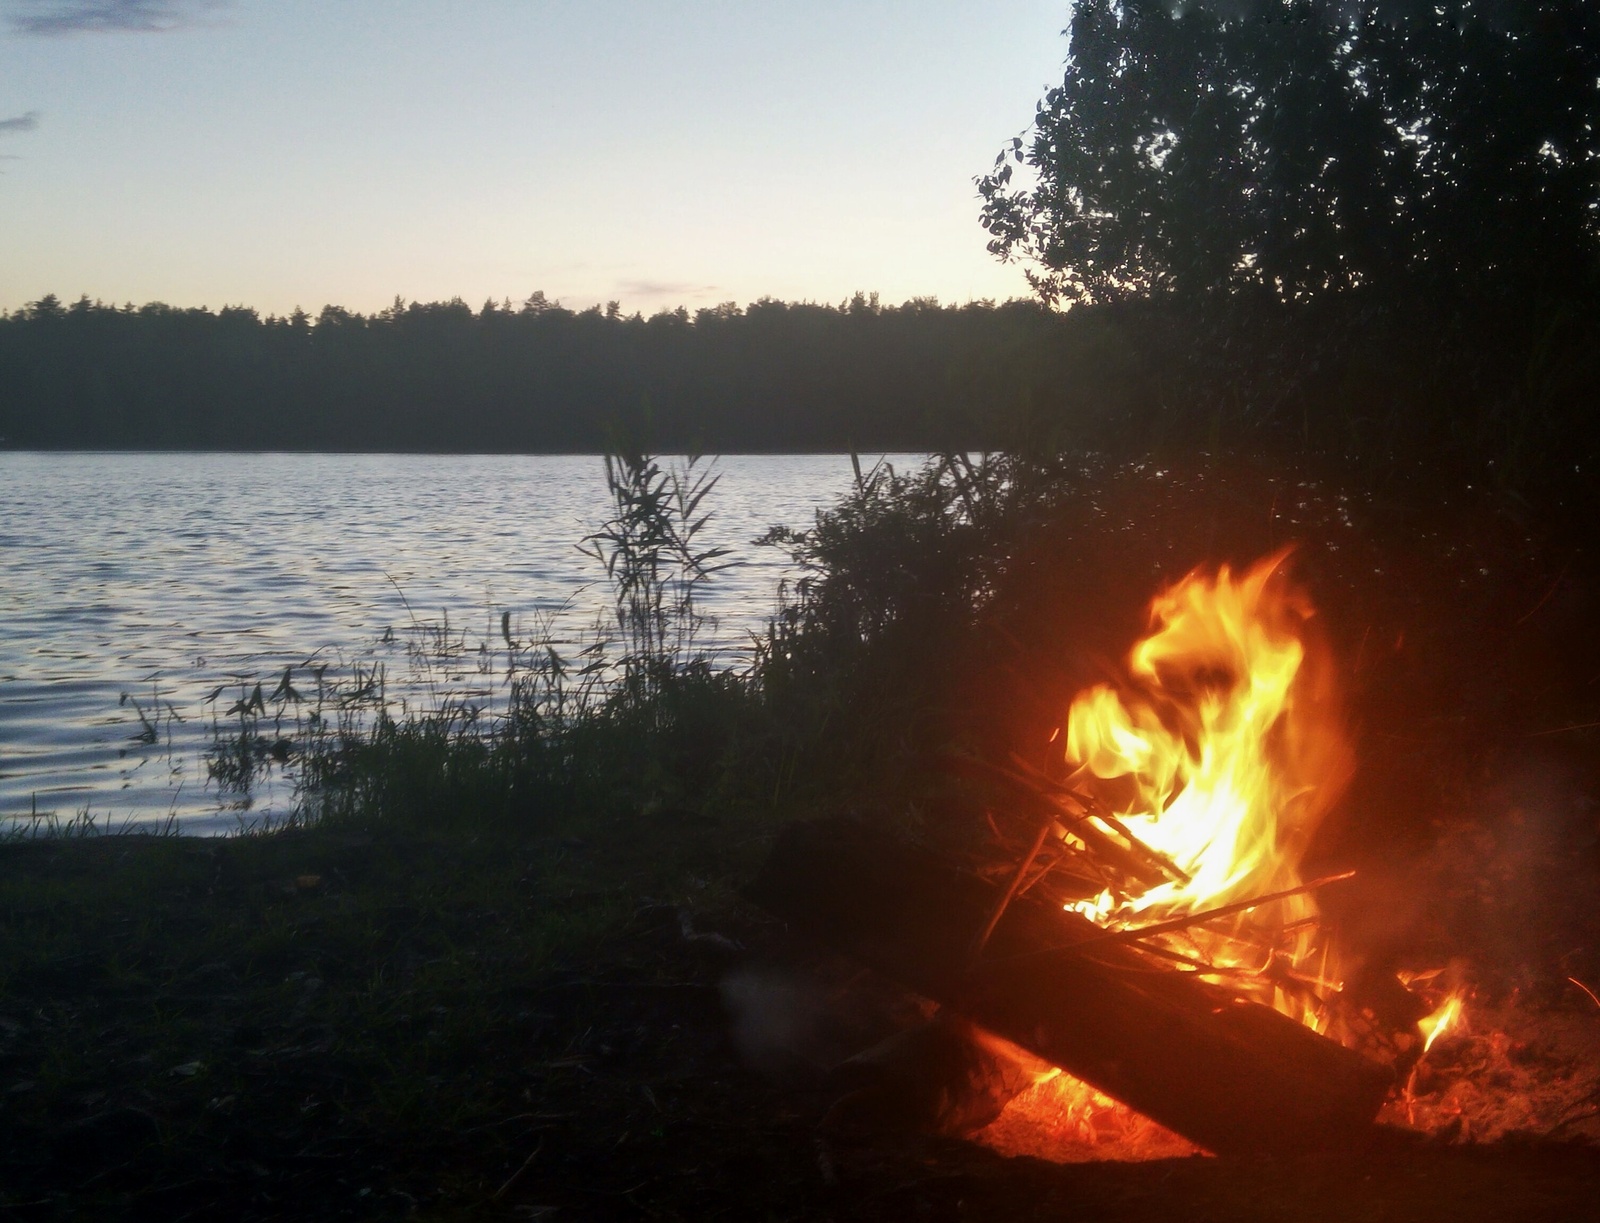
column 1065, row 1120
column 1219, row 755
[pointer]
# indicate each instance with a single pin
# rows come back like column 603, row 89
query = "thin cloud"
column 664, row 288
column 18, row 123
column 58, row 17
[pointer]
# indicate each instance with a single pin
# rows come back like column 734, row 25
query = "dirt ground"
column 323, row 1027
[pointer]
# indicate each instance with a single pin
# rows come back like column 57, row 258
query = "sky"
column 284, row 153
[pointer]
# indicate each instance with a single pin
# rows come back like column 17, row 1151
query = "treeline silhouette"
column 528, row 377
column 1380, row 391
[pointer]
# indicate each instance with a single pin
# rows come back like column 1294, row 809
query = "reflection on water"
column 143, row 596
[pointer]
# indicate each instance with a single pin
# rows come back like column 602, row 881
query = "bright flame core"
column 1221, row 753
column 1443, row 1018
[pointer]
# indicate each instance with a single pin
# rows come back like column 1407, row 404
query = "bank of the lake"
column 144, row 595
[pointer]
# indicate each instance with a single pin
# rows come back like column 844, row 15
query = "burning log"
column 1231, row 1075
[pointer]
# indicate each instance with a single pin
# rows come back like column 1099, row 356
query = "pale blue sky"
column 295, row 152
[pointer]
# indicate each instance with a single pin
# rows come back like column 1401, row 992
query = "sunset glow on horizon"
column 292, row 154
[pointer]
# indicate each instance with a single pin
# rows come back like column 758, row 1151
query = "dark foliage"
column 1294, row 148
column 1364, row 234
column 534, row 378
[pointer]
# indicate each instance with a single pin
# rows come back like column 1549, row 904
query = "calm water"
column 134, row 586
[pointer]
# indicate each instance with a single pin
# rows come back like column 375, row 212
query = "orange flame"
column 1221, row 753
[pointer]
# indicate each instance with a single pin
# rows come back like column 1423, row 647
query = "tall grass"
column 652, row 553
column 635, row 717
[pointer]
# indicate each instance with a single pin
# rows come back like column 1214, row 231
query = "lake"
column 143, row 595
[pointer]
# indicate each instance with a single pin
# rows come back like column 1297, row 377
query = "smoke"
column 774, row 1017
column 801, row 1021
column 1501, row 886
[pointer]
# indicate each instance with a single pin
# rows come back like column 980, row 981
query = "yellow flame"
column 1221, row 752
column 1441, row 1020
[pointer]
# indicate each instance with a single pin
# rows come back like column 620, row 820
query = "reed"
column 631, row 715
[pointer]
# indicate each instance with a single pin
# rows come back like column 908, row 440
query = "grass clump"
column 637, row 719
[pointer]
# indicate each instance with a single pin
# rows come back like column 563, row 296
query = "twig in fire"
column 1045, row 825
column 1093, row 848
column 1086, row 807
column 1135, row 934
column 1080, row 816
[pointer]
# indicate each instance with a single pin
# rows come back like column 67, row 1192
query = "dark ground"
column 329, row 1024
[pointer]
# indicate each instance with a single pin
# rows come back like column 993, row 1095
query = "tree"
column 1293, row 149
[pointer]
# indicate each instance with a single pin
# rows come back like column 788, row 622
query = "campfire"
column 1135, row 960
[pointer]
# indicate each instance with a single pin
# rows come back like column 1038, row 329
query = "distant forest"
column 1360, row 381
column 526, row 377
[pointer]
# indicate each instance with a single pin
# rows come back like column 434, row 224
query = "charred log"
column 1230, row 1075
